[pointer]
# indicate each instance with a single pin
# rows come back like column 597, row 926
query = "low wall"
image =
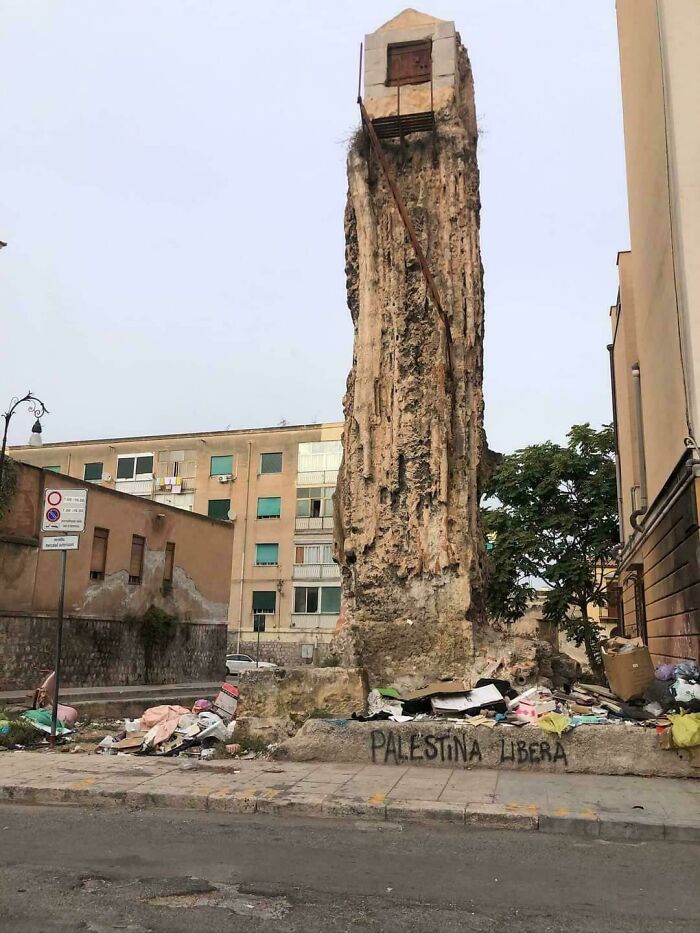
column 103, row 652
column 613, row 749
column 284, row 653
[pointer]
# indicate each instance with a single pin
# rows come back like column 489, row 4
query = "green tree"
column 552, row 515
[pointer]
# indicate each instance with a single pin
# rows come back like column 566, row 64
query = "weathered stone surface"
column 296, row 693
column 612, row 749
column 408, row 533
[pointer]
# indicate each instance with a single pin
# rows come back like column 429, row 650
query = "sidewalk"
column 611, row 808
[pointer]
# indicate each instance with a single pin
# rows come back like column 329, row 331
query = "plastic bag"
column 685, row 729
column 554, row 722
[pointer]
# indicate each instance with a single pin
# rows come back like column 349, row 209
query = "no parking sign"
column 64, row 510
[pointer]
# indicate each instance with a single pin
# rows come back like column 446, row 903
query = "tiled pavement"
column 592, row 805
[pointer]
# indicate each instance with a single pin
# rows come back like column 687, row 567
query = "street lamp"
column 38, row 409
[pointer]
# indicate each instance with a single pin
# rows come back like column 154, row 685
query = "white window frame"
column 135, row 476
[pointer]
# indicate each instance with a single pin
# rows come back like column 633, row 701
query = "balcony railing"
column 316, row 572
column 317, row 478
column 314, row 524
column 135, row 487
column 314, row 620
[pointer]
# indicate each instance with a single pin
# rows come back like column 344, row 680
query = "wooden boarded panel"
column 672, row 581
column 682, row 646
column 687, row 623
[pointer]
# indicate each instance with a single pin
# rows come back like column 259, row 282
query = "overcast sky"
column 172, row 185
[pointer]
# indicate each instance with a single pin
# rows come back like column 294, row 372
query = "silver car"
column 235, row 663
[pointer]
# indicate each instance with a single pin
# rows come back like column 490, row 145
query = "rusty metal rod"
column 408, row 224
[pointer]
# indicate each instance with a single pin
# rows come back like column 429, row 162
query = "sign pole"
column 57, row 662
column 257, row 656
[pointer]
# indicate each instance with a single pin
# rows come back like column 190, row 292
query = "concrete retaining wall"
column 613, row 749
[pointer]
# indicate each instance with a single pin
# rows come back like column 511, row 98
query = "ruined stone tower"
column 408, row 534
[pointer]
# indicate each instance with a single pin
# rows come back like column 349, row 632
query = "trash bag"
column 685, row 729
column 665, row 672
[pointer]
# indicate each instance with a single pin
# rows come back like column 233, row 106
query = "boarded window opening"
column 98, row 559
column 138, row 546
column 409, row 62
column 169, row 563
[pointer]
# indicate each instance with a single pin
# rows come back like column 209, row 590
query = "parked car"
column 235, row 663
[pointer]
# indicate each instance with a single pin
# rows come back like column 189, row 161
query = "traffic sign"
column 64, row 510
column 60, row 542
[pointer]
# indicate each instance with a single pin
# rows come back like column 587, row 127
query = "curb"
column 606, row 826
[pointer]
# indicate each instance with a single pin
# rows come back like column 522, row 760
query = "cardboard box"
column 628, row 666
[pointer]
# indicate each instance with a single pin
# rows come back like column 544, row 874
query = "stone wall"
column 286, row 654
column 103, row 652
column 294, row 694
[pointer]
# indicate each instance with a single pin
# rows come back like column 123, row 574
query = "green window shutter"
column 330, row 599
column 269, row 507
column 219, row 508
column 270, row 463
column 264, row 600
column 92, row 471
column 125, row 468
column 144, row 465
column 266, row 554
column 53, row 469
column 221, row 466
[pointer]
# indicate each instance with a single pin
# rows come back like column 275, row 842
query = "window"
column 138, row 546
column 270, row 463
column 53, row 469
column 169, row 564
column 136, row 467
column 221, row 466
column 266, row 555
column 313, row 554
column 319, row 455
column 269, row 507
column 98, row 559
column 264, row 601
column 330, row 599
column 92, row 471
column 219, row 508
column 408, row 62
column 313, row 599
column 306, row 598
column 315, row 501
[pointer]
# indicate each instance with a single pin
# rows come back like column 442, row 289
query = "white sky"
column 172, row 193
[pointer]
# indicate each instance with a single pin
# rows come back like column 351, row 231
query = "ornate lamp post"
column 38, row 409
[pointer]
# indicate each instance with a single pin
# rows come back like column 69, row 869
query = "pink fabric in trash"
column 155, row 714
column 68, row 715
column 201, row 706
column 163, row 730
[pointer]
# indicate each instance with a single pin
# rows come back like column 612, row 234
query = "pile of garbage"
column 174, row 730
column 666, row 699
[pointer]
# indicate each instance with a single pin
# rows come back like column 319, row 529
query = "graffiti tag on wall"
column 388, row 747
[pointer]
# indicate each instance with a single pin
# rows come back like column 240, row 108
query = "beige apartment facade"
column 274, row 485
column 655, row 349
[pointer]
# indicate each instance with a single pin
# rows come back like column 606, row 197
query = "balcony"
column 316, row 572
column 314, row 620
column 135, row 487
column 314, row 524
column 317, row 478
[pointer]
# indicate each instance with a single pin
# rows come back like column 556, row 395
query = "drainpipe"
column 618, row 475
column 245, row 536
column 637, row 391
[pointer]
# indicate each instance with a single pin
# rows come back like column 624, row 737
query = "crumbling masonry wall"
column 408, row 532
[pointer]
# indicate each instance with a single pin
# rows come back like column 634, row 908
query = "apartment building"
column 655, row 349
column 275, row 485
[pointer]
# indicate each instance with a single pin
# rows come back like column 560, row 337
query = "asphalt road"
column 101, row 871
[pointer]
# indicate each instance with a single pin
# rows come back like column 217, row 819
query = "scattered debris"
column 670, row 703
